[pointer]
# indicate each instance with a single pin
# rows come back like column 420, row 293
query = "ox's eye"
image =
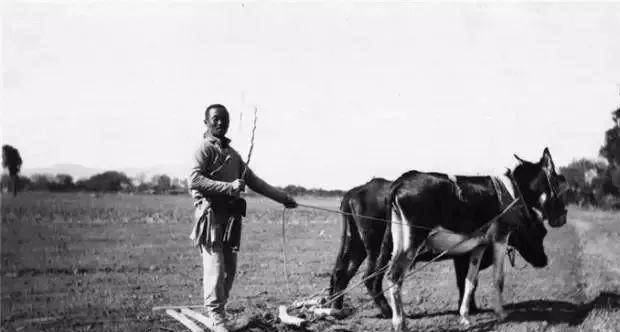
column 542, row 199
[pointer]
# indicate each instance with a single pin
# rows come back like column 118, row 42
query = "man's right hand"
column 237, row 187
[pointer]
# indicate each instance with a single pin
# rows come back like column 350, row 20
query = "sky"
column 345, row 91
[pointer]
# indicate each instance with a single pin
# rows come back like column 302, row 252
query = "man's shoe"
column 219, row 323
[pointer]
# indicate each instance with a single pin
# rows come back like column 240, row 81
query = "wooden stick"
column 197, row 306
column 197, row 316
column 184, row 320
column 247, row 161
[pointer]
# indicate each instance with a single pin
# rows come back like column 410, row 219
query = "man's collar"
column 223, row 142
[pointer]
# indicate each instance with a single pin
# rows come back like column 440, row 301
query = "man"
column 218, row 177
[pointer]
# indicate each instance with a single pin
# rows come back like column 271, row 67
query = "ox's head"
column 528, row 240
column 541, row 188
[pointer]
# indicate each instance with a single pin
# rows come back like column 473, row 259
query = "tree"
column 161, row 183
column 12, row 161
column 611, row 149
column 581, row 173
column 62, row 182
column 41, row 181
column 108, row 181
column 586, row 181
column 5, row 182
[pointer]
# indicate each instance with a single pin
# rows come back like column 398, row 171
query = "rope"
column 284, row 260
column 362, row 216
column 394, row 222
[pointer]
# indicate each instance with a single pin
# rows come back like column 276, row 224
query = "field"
column 75, row 262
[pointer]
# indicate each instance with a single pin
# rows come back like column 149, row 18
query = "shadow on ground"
column 560, row 312
column 552, row 312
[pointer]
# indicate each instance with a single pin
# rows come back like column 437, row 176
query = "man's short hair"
column 215, row 106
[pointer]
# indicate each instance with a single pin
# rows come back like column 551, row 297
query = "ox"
column 370, row 238
column 433, row 213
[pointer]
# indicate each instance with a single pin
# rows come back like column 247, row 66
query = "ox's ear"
column 522, row 161
column 546, row 161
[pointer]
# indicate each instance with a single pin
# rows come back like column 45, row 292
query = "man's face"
column 217, row 122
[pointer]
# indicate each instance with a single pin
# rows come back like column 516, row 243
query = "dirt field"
column 74, row 262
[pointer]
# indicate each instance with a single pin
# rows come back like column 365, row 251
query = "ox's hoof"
column 399, row 325
column 501, row 314
column 400, row 328
column 465, row 322
column 385, row 314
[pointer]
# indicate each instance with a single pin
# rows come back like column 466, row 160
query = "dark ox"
column 453, row 208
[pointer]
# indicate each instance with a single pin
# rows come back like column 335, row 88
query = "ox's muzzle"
column 558, row 221
column 555, row 211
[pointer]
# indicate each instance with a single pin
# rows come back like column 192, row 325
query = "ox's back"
column 370, row 199
column 436, row 200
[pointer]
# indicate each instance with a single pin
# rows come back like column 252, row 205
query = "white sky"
column 345, row 91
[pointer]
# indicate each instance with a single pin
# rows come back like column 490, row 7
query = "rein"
column 387, row 221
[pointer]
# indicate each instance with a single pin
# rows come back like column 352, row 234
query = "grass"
column 81, row 263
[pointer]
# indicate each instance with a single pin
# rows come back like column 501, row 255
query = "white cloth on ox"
column 506, row 190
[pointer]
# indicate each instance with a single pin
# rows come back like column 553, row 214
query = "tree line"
column 596, row 182
column 109, row 181
column 114, row 181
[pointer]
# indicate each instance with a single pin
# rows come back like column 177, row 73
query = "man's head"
column 217, row 120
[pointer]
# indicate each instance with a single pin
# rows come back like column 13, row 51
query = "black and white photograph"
column 290, row 166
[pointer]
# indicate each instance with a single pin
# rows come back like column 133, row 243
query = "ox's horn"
column 519, row 159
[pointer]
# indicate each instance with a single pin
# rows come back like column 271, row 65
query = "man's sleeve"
column 260, row 186
column 198, row 179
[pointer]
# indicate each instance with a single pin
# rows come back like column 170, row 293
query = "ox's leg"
column 350, row 257
column 499, row 252
column 399, row 264
column 470, row 283
column 376, row 290
column 371, row 279
column 461, row 263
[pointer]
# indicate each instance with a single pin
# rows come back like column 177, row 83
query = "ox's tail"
column 351, row 246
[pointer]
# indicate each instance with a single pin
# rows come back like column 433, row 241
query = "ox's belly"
column 454, row 244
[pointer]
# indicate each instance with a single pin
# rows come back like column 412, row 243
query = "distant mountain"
column 80, row 171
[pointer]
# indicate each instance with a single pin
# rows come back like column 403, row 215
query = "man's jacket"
column 218, row 213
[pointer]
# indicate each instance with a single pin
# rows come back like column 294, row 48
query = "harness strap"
column 510, row 251
column 518, row 194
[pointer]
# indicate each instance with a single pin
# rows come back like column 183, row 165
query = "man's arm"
column 260, row 186
column 200, row 182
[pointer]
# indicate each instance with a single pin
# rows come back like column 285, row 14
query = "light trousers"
column 219, row 268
